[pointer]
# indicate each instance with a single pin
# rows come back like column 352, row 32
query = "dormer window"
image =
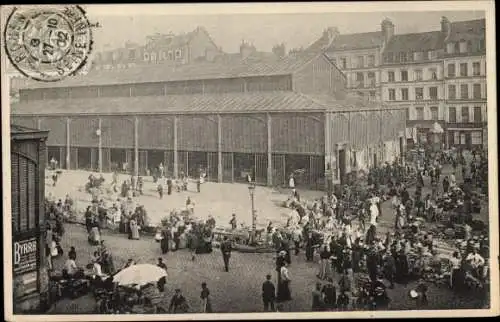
column 178, row 53
column 463, row 47
column 450, row 48
column 432, row 54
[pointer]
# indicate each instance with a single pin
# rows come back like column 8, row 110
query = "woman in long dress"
column 325, row 269
column 134, row 230
column 164, row 242
column 284, row 293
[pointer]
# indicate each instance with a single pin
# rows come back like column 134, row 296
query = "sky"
column 263, row 30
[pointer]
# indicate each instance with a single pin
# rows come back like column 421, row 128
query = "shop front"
column 29, row 266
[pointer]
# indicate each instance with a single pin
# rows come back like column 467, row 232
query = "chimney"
column 279, row 50
column 246, row 49
column 445, row 25
column 387, row 29
column 330, row 34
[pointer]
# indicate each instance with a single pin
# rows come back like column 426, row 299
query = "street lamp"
column 251, row 190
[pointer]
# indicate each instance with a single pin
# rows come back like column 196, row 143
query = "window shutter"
column 23, row 193
column 15, row 191
column 31, row 173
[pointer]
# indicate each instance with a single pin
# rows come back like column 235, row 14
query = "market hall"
column 263, row 119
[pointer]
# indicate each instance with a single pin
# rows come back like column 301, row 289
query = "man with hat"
column 226, row 248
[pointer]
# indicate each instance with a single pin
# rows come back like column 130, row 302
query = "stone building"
column 465, row 83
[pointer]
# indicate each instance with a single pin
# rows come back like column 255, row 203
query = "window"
column 452, row 114
column 164, row 55
column 418, row 56
column 478, row 117
column 476, row 68
column 371, row 60
column 450, row 48
column 372, row 94
column 463, row 69
column 451, row 70
column 433, row 93
column 408, row 113
column 465, row 114
column 343, row 62
column 392, row 94
column 476, row 91
column 404, row 75
column 452, row 92
column 360, row 80
column 463, row 47
column 132, row 54
column 178, row 53
column 481, row 44
column 361, row 62
column 462, row 138
column 371, row 79
column 153, row 57
column 457, row 47
column 418, row 74
column 476, row 137
column 389, row 57
column 170, row 55
column 404, row 94
column 146, row 56
column 432, row 54
column 419, row 93
column 403, row 57
column 434, row 113
column 464, row 91
column 433, row 73
column 420, row 113
column 391, row 76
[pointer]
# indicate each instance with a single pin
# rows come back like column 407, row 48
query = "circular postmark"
column 48, row 43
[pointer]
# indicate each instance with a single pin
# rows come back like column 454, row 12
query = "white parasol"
column 140, row 274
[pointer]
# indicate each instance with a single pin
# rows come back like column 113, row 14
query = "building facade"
column 30, row 274
column 196, row 45
column 465, row 84
column 358, row 56
column 412, row 77
column 438, row 76
column 266, row 119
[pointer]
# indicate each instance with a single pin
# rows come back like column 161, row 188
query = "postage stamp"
column 48, row 44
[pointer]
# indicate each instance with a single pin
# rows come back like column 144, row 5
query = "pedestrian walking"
column 284, row 293
column 226, row 248
column 268, row 294
column 205, row 299
column 317, row 299
column 160, row 190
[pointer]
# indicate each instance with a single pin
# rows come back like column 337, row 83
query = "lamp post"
column 98, row 132
column 251, row 190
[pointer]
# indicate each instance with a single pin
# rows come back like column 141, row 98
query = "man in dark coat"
column 226, row 248
column 268, row 294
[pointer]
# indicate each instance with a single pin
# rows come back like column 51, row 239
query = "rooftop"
column 467, row 30
column 18, row 132
column 193, row 71
column 362, row 40
column 273, row 101
column 416, row 42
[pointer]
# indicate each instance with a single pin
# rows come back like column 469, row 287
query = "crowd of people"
column 357, row 262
